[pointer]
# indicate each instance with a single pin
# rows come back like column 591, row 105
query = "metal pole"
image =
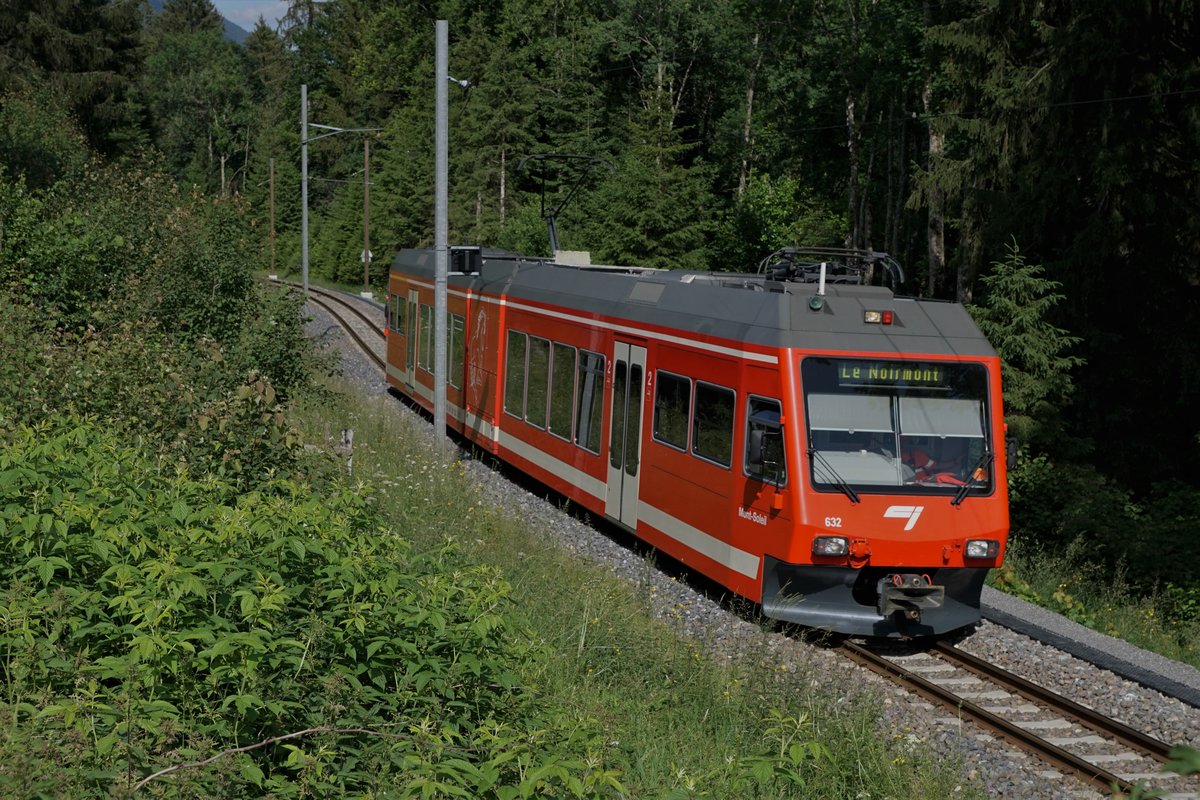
column 367, row 217
column 304, row 184
column 441, row 234
column 272, row 217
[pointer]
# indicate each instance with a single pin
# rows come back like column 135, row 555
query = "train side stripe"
column 576, row 477
column 561, row 469
column 763, row 358
column 710, row 546
column 721, row 552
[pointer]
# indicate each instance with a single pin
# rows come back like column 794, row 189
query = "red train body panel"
column 759, row 436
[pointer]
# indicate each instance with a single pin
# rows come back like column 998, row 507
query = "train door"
column 410, row 339
column 625, row 442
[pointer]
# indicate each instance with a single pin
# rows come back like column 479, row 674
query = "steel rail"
column 1015, row 734
column 1088, row 718
column 315, row 296
column 337, row 298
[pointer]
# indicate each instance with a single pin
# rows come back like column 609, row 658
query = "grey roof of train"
column 734, row 306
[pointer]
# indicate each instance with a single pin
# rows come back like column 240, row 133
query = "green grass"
column 1068, row 583
column 677, row 723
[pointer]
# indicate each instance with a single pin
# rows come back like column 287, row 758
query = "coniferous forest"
column 1035, row 160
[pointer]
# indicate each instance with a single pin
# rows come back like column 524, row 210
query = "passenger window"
column 514, row 375
column 589, row 400
column 712, row 424
column 765, row 454
column 672, row 404
column 562, row 390
column 537, row 381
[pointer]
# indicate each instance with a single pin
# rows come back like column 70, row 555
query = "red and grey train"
column 809, row 440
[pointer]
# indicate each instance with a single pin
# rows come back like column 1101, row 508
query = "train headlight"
column 982, row 548
column 830, row 546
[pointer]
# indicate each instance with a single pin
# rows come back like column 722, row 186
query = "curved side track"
column 357, row 324
column 932, row 675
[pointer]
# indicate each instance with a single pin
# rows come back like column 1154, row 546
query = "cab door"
column 625, row 438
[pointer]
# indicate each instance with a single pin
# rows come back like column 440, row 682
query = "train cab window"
column 562, row 389
column 514, row 374
column 589, row 400
column 425, row 356
column 765, row 454
column 457, row 349
column 912, row 427
column 672, row 405
column 537, row 382
column 712, row 423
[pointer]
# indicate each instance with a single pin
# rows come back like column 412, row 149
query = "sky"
column 245, row 13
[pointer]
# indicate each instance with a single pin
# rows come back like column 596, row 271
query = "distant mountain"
column 234, row 33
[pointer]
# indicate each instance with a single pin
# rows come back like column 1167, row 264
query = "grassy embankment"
column 1069, row 584
column 677, row 721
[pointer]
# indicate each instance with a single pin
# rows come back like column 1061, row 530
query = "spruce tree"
column 1035, row 361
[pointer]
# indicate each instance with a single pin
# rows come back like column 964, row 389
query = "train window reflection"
column 537, row 381
column 514, row 375
column 562, row 389
column 590, row 398
column 770, row 464
column 712, row 423
column 918, row 427
column 672, row 405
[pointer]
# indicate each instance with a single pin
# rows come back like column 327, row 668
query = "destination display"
column 891, row 373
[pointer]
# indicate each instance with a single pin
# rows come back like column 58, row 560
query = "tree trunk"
column 744, row 172
column 935, row 231
column 503, row 179
column 853, row 239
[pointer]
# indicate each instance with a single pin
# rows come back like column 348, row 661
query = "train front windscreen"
column 906, row 427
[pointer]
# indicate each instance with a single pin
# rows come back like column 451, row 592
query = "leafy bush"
column 154, row 621
column 107, row 244
column 1060, row 506
column 39, row 142
column 183, row 402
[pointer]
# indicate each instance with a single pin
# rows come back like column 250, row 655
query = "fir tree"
column 1036, row 366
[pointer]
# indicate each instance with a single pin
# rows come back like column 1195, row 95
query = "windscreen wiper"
column 984, row 461
column 838, row 480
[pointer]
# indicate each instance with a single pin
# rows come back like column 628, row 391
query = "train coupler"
column 908, row 594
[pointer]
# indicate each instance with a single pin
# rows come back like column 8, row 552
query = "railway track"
column 1069, row 737
column 367, row 333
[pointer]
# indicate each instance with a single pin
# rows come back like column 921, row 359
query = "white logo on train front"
column 910, row 513
column 752, row 515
